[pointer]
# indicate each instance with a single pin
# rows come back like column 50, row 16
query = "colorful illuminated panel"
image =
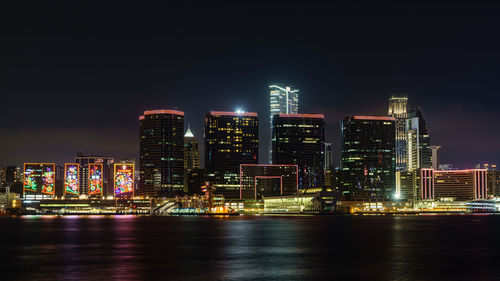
column 71, row 178
column 95, row 179
column 124, row 178
column 32, row 172
column 48, row 179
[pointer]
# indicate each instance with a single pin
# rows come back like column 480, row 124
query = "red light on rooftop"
column 384, row 118
column 232, row 113
column 164, row 111
column 321, row 116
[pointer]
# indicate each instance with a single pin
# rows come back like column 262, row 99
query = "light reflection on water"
column 250, row 248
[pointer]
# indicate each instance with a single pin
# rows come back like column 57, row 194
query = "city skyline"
column 86, row 85
column 249, row 140
column 469, row 163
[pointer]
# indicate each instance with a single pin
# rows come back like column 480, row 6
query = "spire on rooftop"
column 188, row 133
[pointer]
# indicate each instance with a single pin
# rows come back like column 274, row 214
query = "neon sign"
column 48, row 178
column 95, row 179
column 29, row 179
column 124, row 178
column 71, row 178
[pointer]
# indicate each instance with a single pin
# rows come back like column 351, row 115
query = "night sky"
column 74, row 77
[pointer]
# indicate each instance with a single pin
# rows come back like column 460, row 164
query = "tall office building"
column 191, row 151
column 194, row 177
column 299, row 139
column 398, row 109
column 231, row 139
column 107, row 172
column 282, row 100
column 161, row 148
column 418, row 150
column 368, row 158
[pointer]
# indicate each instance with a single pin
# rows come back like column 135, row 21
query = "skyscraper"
column 231, row 139
column 299, row 139
column 417, row 142
column 161, row 147
column 194, row 177
column 191, row 152
column 107, row 172
column 282, row 100
column 368, row 157
column 398, row 109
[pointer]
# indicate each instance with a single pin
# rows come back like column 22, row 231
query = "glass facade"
column 368, row 158
column 231, row 139
column 161, row 148
column 299, row 139
column 282, row 100
column 398, row 108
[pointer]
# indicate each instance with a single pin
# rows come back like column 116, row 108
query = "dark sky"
column 76, row 76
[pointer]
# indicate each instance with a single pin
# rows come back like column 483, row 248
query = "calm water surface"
column 250, row 248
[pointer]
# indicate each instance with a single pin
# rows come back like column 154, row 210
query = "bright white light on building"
column 239, row 111
column 397, row 195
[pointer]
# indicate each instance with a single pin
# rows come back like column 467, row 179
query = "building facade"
column 258, row 181
column 419, row 153
column 398, row 109
column 39, row 180
column 299, row 139
column 368, row 158
column 231, row 139
column 161, row 148
column 283, row 99
column 457, row 185
column 494, row 183
column 191, row 151
column 328, row 156
column 85, row 162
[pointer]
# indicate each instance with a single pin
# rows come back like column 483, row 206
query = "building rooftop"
column 233, row 113
column 320, row 116
column 188, row 133
column 386, row 118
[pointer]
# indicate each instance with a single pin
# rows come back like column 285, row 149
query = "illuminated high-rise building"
column 193, row 175
column 299, row 139
column 191, row 151
column 368, row 158
column 418, row 152
column 398, row 109
column 283, row 99
column 161, row 148
column 231, row 139
column 107, row 172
